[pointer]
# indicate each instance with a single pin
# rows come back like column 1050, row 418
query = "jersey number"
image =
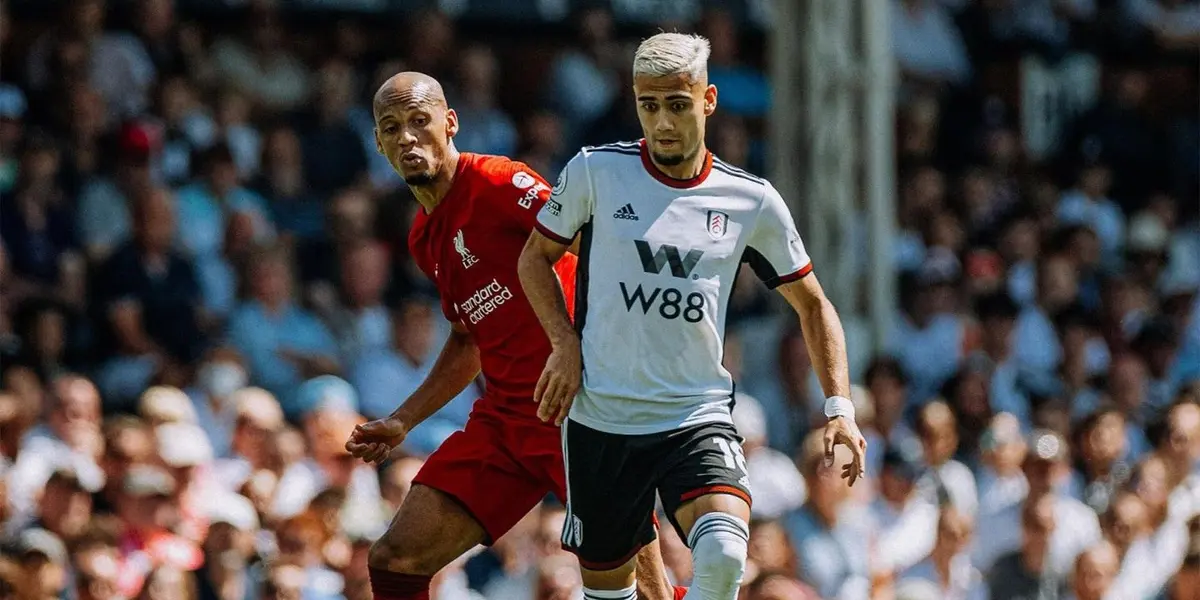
column 671, row 303
column 734, row 458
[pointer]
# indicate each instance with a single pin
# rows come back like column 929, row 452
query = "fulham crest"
column 718, row 224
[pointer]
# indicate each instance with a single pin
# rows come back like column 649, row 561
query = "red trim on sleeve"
column 805, row 270
column 671, row 181
column 552, row 235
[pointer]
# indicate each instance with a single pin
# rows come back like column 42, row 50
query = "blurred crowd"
column 204, row 285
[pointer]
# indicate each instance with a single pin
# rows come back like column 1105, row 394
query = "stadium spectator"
column 333, row 154
column 949, row 563
column 150, row 301
column 282, row 342
column 777, row 484
column 1028, row 571
column 945, row 481
column 382, row 374
column 261, row 66
column 905, row 520
column 485, row 128
column 1095, row 571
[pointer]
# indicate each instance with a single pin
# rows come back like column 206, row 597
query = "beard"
column 420, row 179
column 670, row 160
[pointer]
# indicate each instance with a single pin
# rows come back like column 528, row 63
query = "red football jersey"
column 469, row 246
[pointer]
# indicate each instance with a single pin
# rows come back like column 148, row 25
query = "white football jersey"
column 658, row 258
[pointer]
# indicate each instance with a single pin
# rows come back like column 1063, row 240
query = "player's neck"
column 429, row 196
column 687, row 169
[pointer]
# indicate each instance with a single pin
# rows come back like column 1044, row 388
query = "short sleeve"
column 524, row 194
column 570, row 203
column 775, row 250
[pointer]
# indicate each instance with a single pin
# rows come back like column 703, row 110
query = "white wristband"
column 838, row 406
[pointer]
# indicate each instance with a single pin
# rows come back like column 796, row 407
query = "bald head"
column 407, row 89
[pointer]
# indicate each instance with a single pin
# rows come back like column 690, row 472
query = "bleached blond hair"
column 667, row 54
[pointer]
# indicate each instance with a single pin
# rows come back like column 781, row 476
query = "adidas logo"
column 626, row 212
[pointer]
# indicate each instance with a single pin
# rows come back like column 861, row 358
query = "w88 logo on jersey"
column 669, row 302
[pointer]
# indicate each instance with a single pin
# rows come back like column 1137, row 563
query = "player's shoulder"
column 504, row 171
column 738, row 176
column 614, row 154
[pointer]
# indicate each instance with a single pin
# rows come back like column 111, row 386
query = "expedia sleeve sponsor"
column 485, row 301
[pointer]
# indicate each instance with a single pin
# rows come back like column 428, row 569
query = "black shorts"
column 612, row 480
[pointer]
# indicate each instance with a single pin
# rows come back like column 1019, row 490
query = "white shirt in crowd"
column 1076, row 529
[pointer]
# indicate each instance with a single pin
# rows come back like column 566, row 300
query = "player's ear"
column 451, row 123
column 710, row 100
column 378, row 143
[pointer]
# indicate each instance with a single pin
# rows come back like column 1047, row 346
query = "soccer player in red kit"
column 476, row 213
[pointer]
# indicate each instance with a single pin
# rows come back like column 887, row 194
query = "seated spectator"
column 928, row 46
column 485, row 128
column 830, row 535
column 358, row 319
column 777, row 484
column 69, row 439
column 146, row 542
column 332, row 150
column 229, row 549
column 295, row 209
column 149, row 297
column 1035, row 344
column 906, row 520
column 1056, row 543
column 1102, row 446
column 744, row 90
column 385, row 377
column 930, row 339
column 946, row 481
column 103, row 217
column 264, row 69
column 128, row 441
column 997, row 317
column 115, row 63
column 1026, row 572
column 349, row 220
column 1002, row 484
column 37, row 224
column 64, row 507
column 207, row 206
column 258, row 418
column 45, row 563
column 188, row 456
column 283, row 344
column 888, row 385
column 1088, row 204
column 1146, row 558
column 234, row 112
column 949, row 564
column 329, row 466
column 582, row 81
column 218, row 378
column 1095, row 572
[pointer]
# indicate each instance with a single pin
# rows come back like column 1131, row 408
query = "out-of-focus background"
column 204, row 284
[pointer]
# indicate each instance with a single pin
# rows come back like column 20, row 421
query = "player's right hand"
column 374, row 441
column 560, row 378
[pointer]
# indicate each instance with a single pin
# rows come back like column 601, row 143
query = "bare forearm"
column 456, row 367
column 826, row 342
column 546, row 297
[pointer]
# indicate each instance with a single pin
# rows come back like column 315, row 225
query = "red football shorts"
column 498, row 469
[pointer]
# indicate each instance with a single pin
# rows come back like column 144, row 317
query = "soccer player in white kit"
column 663, row 227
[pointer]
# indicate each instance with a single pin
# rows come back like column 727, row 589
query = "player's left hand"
column 841, row 430
column 556, row 387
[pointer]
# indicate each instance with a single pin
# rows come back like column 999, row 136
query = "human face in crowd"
column 66, row 507
column 769, row 547
column 1103, row 444
column 75, row 417
column 1095, row 571
column 1126, row 520
column 939, row 433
